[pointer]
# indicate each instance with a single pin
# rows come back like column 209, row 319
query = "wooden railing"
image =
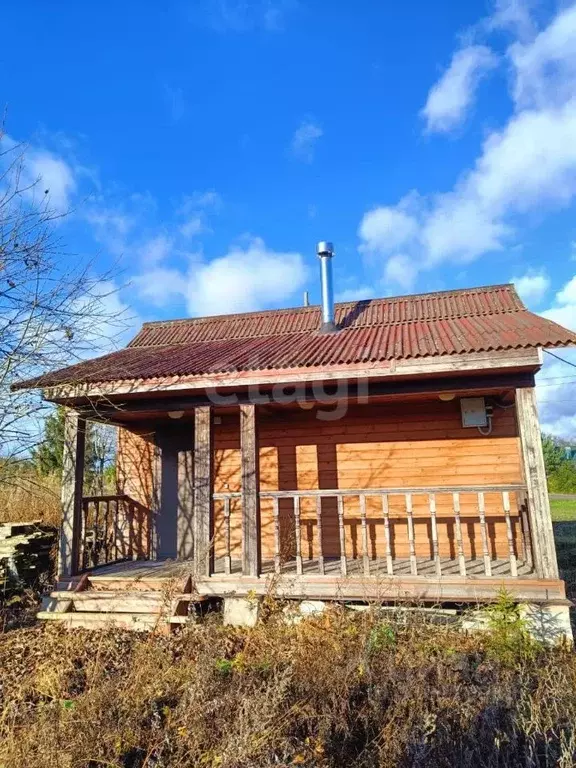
column 431, row 532
column 114, row 528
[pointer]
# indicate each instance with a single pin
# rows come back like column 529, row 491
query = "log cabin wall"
column 418, row 443
column 134, row 462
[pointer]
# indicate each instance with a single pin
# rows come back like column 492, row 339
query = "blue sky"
column 204, row 147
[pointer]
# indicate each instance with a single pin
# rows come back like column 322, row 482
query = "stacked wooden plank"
column 134, row 595
column 25, row 554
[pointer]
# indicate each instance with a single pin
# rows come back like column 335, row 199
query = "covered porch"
column 257, row 498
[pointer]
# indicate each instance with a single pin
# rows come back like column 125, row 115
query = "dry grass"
column 343, row 689
column 29, row 496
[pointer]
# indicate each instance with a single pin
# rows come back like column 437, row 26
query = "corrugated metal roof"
column 359, row 314
column 429, row 325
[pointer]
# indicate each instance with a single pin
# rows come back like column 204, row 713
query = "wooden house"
column 394, row 456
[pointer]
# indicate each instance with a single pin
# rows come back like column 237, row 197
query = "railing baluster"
column 112, row 529
column 521, row 501
column 510, row 534
column 107, row 531
column 364, row 523
column 277, row 566
column 484, row 533
column 95, row 529
column 83, row 527
column 319, row 532
column 458, row 531
column 298, row 535
column 518, row 550
column 116, row 527
column 387, row 538
column 227, row 541
column 411, row 540
column 342, row 531
column 434, row 528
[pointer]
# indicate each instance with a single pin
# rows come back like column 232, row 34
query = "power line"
column 562, row 360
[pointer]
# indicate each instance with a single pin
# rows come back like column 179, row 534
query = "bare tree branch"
column 51, row 314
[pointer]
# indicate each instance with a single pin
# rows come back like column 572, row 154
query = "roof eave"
column 465, row 364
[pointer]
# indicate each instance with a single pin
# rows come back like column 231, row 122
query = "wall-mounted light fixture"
column 175, row 414
column 446, row 396
column 307, row 405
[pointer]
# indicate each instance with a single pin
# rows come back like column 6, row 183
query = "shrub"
column 563, row 479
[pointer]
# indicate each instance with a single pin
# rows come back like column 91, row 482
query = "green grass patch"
column 563, row 509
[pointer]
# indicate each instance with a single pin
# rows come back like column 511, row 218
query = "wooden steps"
column 138, row 622
column 137, row 599
column 116, row 601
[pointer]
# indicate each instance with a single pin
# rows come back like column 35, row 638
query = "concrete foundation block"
column 312, row 607
column 54, row 605
column 549, row 624
column 475, row 621
column 295, row 611
column 240, row 611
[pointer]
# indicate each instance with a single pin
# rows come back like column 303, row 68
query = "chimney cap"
column 325, row 248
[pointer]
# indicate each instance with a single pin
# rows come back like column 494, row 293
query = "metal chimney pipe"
column 325, row 253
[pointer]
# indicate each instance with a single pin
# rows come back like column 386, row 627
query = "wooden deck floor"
column 170, row 569
column 172, row 577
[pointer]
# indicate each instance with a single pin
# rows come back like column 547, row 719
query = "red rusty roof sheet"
column 472, row 302
column 452, row 322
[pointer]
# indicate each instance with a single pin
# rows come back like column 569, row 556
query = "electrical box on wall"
column 473, row 412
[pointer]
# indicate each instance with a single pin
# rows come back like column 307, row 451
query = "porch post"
column 72, row 486
column 185, row 523
column 203, row 489
column 250, row 491
column 543, row 547
column 156, row 498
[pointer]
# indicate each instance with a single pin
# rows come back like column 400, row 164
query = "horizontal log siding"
column 135, row 454
column 416, row 444
column 375, row 446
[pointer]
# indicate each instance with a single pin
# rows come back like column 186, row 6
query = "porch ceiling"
column 155, row 406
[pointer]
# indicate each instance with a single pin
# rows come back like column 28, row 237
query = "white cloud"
column 245, row 279
column 401, row 271
column 44, row 176
column 356, row 294
column 160, row 285
column 195, row 210
column 193, row 226
column 110, row 226
column 248, row 277
column 130, row 229
column 457, row 228
column 109, row 321
column 155, row 250
column 526, row 167
column 384, row 229
column 556, row 387
column 556, row 391
column 545, row 67
column 513, row 15
column 245, row 15
column 304, row 140
column 532, row 286
column 563, row 309
column 568, row 294
column 55, row 178
column 450, row 99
